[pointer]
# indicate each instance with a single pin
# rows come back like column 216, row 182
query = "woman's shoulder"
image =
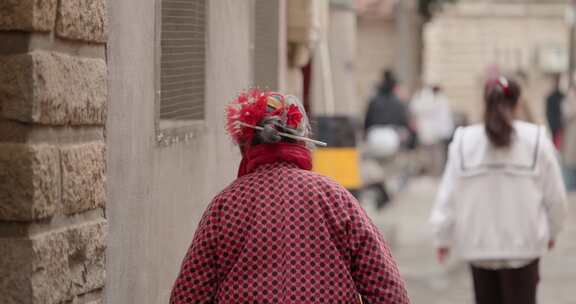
column 468, row 133
column 530, row 134
column 324, row 185
column 295, row 176
column 527, row 127
column 523, row 129
column 320, row 180
column 469, row 130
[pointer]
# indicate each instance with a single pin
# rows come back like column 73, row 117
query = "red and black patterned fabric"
column 285, row 235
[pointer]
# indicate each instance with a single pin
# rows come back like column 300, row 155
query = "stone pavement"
column 406, row 228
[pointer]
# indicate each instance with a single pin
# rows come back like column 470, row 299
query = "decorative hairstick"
column 316, row 142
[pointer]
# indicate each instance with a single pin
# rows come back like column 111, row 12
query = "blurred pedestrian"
column 387, row 129
column 385, row 108
column 435, row 124
column 280, row 233
column 554, row 111
column 501, row 203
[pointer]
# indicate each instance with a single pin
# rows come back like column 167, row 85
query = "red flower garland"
column 249, row 107
column 252, row 106
column 293, row 117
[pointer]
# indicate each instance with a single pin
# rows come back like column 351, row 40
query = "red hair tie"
column 504, row 84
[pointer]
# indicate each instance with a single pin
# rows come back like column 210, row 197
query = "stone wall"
column 53, row 93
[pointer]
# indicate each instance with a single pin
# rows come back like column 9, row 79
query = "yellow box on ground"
column 341, row 164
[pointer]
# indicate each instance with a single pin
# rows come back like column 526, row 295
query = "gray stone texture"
column 55, row 266
column 51, row 88
column 15, row 270
column 27, row 15
column 83, row 177
column 82, row 20
column 84, row 301
column 29, row 181
column 52, row 159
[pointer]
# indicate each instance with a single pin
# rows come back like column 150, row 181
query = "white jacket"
column 500, row 203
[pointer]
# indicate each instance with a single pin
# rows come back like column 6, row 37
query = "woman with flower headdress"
column 280, row 233
column 501, row 203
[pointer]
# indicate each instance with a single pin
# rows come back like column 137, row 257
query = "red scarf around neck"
column 258, row 155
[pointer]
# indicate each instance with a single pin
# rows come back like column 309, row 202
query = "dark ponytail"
column 501, row 97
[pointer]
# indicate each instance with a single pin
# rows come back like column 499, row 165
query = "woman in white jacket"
column 502, row 201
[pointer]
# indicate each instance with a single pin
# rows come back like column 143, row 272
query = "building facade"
column 333, row 61
column 376, row 49
column 469, row 40
column 389, row 37
column 112, row 139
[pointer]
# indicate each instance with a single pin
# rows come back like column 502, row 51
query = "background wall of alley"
column 157, row 192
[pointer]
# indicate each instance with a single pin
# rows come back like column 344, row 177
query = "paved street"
column 406, row 227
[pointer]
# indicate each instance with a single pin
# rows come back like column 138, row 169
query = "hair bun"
column 269, row 135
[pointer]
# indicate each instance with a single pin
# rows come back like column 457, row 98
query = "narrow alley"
column 129, row 130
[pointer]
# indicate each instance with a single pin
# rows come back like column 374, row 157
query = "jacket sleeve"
column 442, row 215
column 197, row 280
column 373, row 268
column 553, row 188
column 369, row 119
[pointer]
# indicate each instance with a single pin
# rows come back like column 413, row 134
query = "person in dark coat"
column 554, row 113
column 385, row 108
column 281, row 233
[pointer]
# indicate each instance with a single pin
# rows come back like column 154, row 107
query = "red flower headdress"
column 249, row 108
column 255, row 110
column 501, row 82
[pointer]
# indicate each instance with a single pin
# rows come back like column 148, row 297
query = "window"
column 182, row 59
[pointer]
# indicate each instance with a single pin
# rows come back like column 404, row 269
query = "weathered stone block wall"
column 27, row 15
column 53, row 95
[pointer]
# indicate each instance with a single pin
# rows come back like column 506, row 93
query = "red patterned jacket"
column 286, row 235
